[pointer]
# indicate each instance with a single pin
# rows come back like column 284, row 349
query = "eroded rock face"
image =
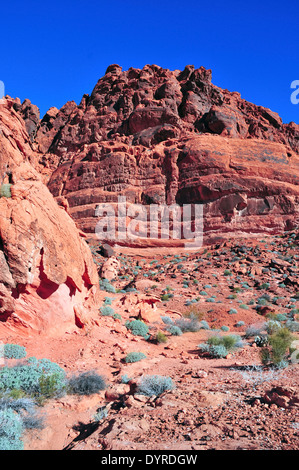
column 162, row 137
column 48, row 282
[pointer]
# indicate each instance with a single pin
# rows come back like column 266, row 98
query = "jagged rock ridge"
column 161, row 137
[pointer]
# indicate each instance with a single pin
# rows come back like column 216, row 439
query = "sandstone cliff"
column 48, row 282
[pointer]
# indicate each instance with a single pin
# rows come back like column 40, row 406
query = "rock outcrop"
column 156, row 136
column 165, row 137
column 48, row 281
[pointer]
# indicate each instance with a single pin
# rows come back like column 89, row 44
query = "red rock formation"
column 48, row 282
column 158, row 136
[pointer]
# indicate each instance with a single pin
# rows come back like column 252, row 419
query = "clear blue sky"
column 55, row 51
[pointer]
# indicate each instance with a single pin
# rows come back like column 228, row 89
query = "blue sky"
column 55, row 51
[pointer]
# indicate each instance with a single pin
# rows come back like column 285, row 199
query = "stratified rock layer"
column 167, row 137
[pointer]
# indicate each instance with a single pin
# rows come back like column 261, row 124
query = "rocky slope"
column 221, row 403
column 162, row 137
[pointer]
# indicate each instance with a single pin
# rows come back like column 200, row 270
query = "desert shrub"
column 188, row 324
column 161, row 337
column 233, row 311
column 107, row 311
column 26, row 409
column 232, row 296
column 265, row 285
column 125, row 379
column 134, row 357
column 278, row 347
column 5, row 190
column 174, row 330
column 138, row 328
column 253, row 330
column 227, row 272
column 12, row 351
column 33, row 421
column 204, row 347
column 193, row 313
column 11, row 430
column 272, row 326
column 204, row 325
column 240, row 323
column 292, row 325
column 225, row 328
column 35, row 378
column 86, row 383
column 48, row 387
column 116, row 316
column 154, row 385
column 281, row 317
column 244, row 306
column 219, row 346
column 101, row 413
column 18, row 405
column 165, row 297
column 167, row 320
column 218, row 351
column 107, row 286
column 256, row 375
column 228, row 341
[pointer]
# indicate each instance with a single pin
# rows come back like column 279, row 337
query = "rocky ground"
column 225, row 403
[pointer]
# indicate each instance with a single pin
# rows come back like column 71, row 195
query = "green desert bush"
column 188, row 324
column 26, row 409
column 107, row 286
column 219, row 346
column 292, row 325
column 218, row 351
column 116, row 316
column 161, row 337
column 134, row 357
column 11, row 430
column 107, row 311
column 165, row 297
column 124, row 379
column 138, row 328
column 155, row 385
column 193, row 313
column 253, row 330
column 278, row 347
column 167, row 320
column 5, row 190
column 225, row 328
column 86, row 383
column 233, row 311
column 12, row 351
column 174, row 330
column 35, row 378
column 272, row 326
